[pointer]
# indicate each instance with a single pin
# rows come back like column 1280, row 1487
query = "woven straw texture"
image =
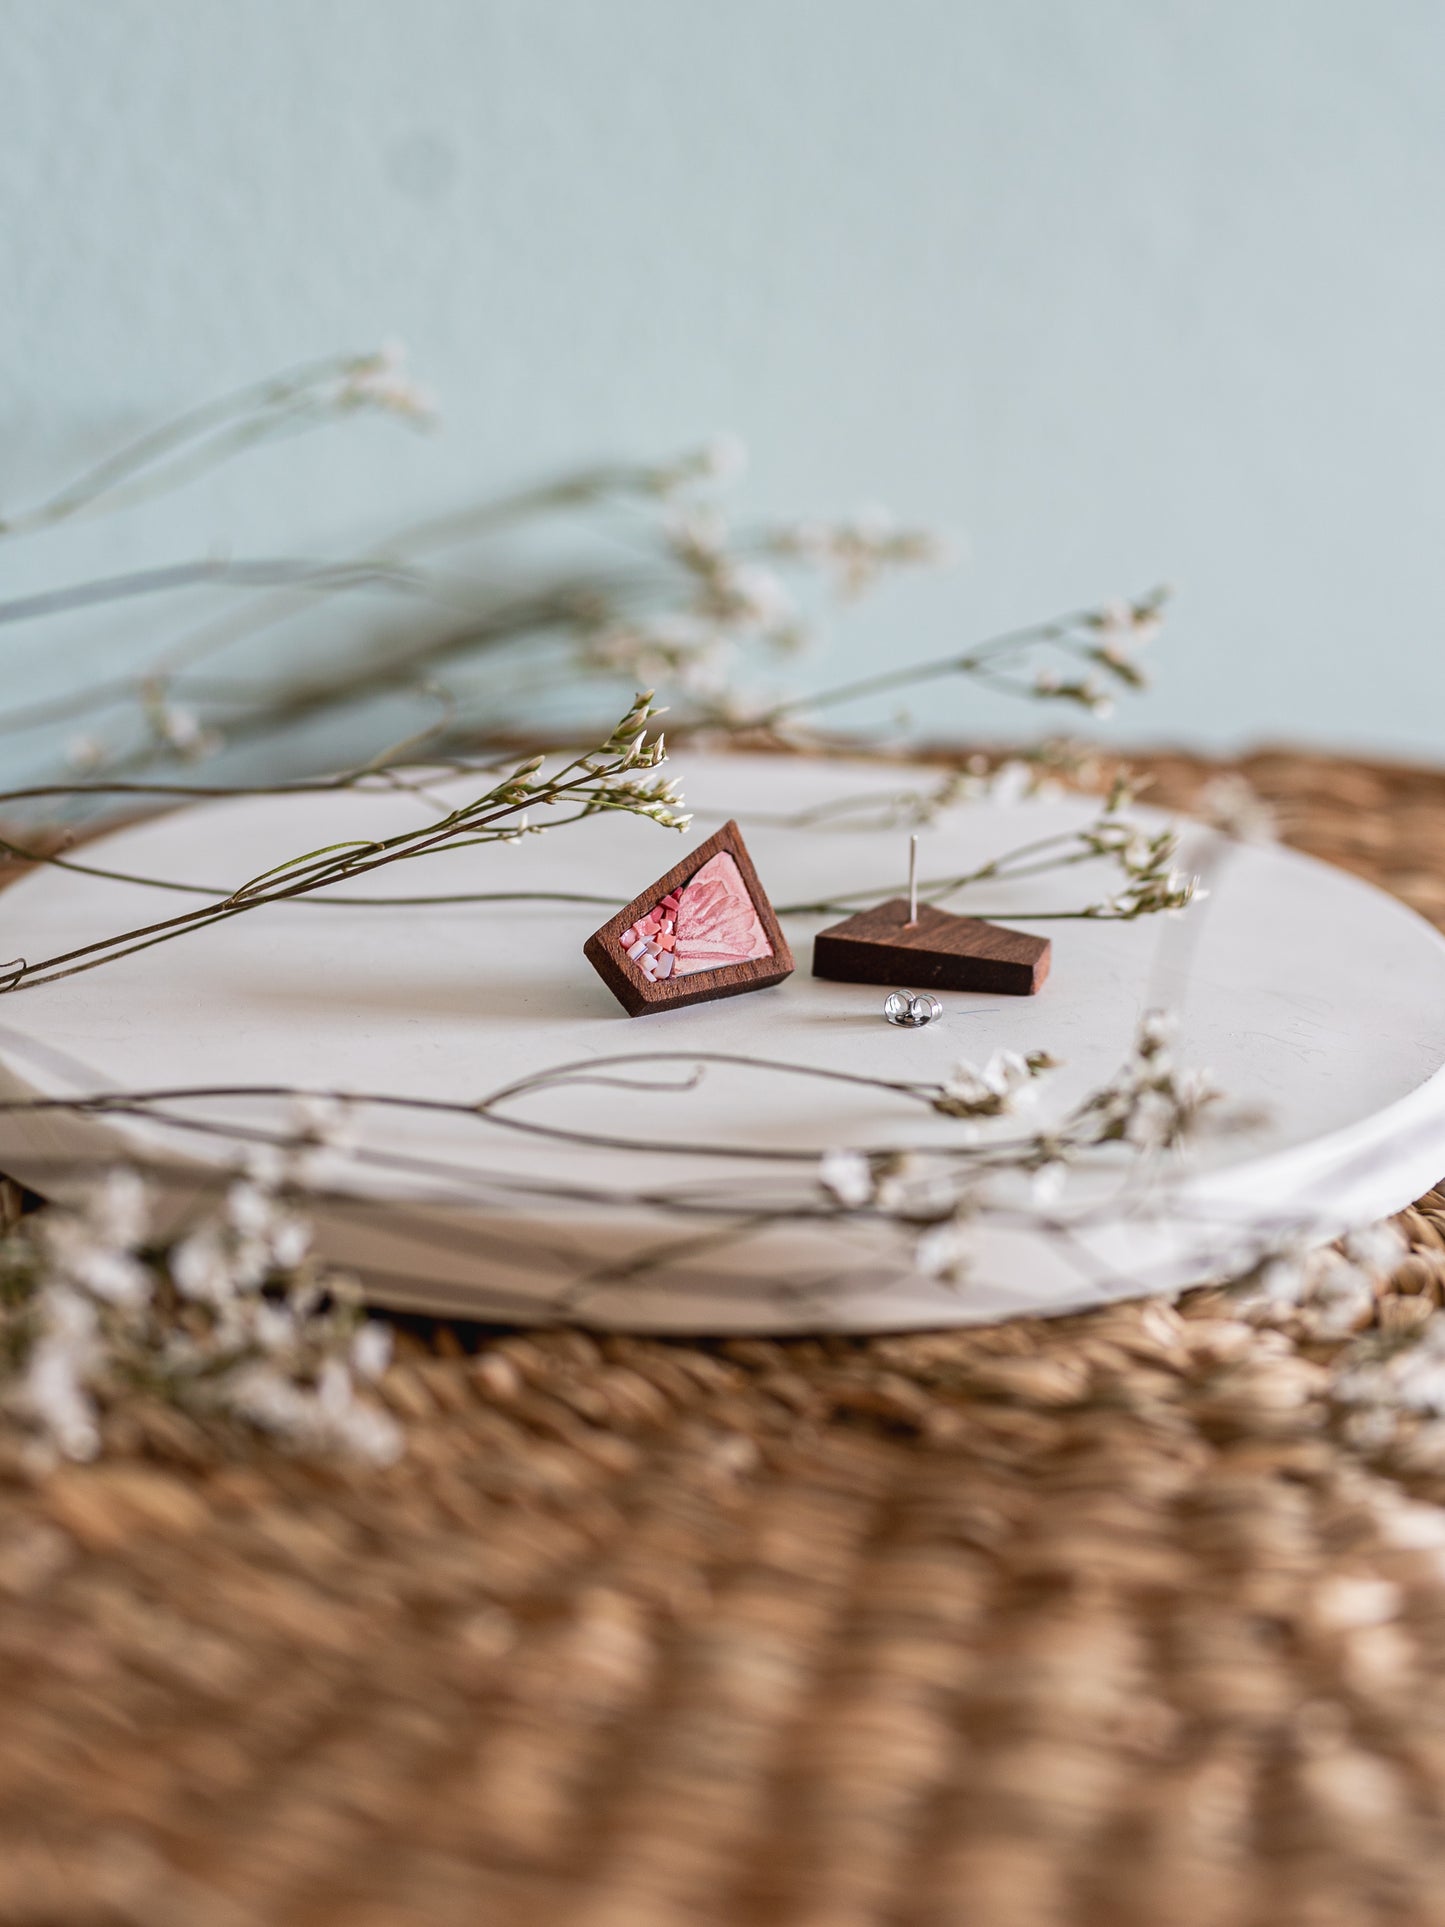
column 1100, row 1621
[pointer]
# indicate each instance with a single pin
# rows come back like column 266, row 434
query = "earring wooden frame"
column 603, row 949
column 939, row 951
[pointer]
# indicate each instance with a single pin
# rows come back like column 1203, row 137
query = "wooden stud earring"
column 905, row 942
column 704, row 930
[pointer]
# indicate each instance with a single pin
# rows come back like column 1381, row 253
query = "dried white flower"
column 1046, row 1184
column 383, row 380
column 848, row 1175
column 943, row 1252
column 1231, row 804
column 697, row 533
column 1282, row 1280
column 371, row 1349
column 723, row 457
column 1412, row 1378
column 912, row 1185
column 325, row 1417
column 324, row 1120
column 1156, row 1032
column 94, row 1247
column 858, row 550
column 290, row 1240
column 1083, row 690
column 1132, row 624
column 53, row 1390
column 1003, row 1083
column 181, row 730
column 754, row 598
column 1148, row 1103
column 265, row 1165
column 202, row 1267
column 250, row 1210
column 1377, row 1247
column 86, row 1311
column 118, row 1209
column 1341, row 1296
column 86, row 754
column 104, row 1271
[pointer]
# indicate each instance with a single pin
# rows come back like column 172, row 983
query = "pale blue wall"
column 1121, row 288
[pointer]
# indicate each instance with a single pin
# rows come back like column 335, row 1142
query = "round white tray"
column 1309, row 995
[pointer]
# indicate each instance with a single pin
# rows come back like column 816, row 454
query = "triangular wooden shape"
column 938, row 952
column 719, row 919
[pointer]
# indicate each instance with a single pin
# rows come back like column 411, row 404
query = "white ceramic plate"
column 1308, row 994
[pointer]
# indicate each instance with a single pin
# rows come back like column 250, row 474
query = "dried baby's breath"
column 232, row 1314
column 230, row 1319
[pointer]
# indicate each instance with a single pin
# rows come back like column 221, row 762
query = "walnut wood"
column 939, row 952
column 637, row 996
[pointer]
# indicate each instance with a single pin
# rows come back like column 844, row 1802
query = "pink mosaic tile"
column 707, row 923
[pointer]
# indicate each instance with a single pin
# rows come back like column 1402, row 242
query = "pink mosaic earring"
column 704, row 930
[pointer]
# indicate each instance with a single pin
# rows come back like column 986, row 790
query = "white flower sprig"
column 1387, row 1385
column 1036, row 661
column 1151, row 883
column 224, row 1273
column 994, row 1091
column 730, row 591
column 1108, row 638
column 861, row 548
column 1152, row 1103
column 606, row 778
column 231, row 1319
column 383, row 381
column 203, row 438
column 704, row 598
column 1144, row 860
column 921, row 1188
column 1398, row 1374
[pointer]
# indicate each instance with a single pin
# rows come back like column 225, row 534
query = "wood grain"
column 603, row 949
column 938, row 952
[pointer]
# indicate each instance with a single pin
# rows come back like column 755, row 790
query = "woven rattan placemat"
column 1111, row 1620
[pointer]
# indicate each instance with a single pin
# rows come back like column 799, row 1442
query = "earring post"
column 912, row 882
